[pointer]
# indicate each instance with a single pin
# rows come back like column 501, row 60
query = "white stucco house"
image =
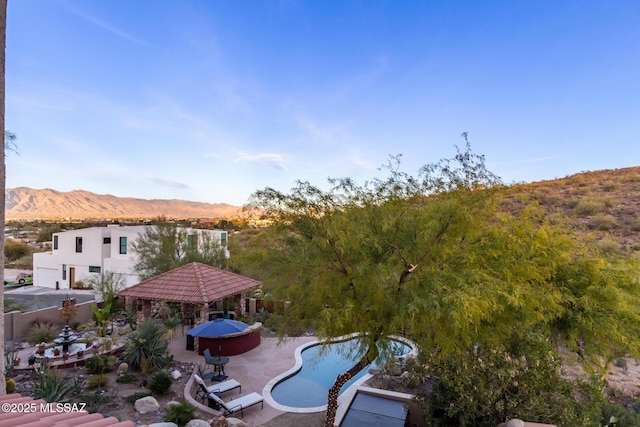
column 77, row 254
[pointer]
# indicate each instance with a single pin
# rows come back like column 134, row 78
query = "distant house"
column 77, row 254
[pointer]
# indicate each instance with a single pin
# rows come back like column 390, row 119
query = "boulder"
column 197, row 423
column 146, row 405
column 220, row 421
column 235, row 422
column 176, row 375
column 164, row 424
column 514, row 423
column 122, row 368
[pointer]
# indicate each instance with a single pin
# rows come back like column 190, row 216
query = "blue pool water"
column 310, row 386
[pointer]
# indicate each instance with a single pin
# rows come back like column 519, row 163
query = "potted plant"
column 41, row 348
column 16, row 361
column 65, row 356
column 32, row 360
column 80, row 354
column 56, row 352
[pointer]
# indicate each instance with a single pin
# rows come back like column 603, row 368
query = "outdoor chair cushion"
column 239, row 404
column 204, row 390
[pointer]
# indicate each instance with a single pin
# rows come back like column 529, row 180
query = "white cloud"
column 274, row 160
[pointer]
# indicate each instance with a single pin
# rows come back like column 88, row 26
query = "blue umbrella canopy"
column 218, row 328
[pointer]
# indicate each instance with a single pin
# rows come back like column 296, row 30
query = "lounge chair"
column 239, row 404
column 202, row 390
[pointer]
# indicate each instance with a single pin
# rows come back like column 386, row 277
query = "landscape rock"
column 235, row 422
column 220, row 421
column 514, row 423
column 164, row 424
column 197, row 423
column 146, row 405
column 176, row 375
column 122, row 368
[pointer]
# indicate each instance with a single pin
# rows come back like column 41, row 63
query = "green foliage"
column 10, row 385
column 165, row 246
column 42, row 332
column 99, row 364
column 590, row 206
column 51, row 386
column 170, row 324
column 434, row 257
column 95, row 401
column 147, row 343
column 159, row 383
column 180, row 414
column 106, row 286
column 619, row 416
column 485, row 387
column 98, row 381
column 46, row 232
column 14, row 250
column 101, row 316
column 603, row 222
column 135, row 396
column 12, row 305
column 127, row 378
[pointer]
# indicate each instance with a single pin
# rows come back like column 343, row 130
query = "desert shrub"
column 608, row 245
column 619, row 416
column 180, row 414
column 51, row 386
column 99, row 364
column 127, row 378
column 11, row 385
column 159, row 383
column 94, row 401
column 42, row 332
column 610, row 185
column 590, row 206
column 98, row 381
column 603, row 222
column 483, row 388
column 135, row 396
column 635, row 225
column 147, row 343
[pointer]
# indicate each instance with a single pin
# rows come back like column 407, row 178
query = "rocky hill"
column 24, row 203
column 604, row 203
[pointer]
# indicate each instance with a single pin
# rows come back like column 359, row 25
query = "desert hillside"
column 24, row 203
column 605, row 203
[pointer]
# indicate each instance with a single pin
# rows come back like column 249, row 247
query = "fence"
column 16, row 324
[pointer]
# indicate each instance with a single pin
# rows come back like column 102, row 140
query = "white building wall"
column 53, row 268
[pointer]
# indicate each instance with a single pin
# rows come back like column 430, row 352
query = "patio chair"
column 202, row 390
column 238, row 404
column 202, row 373
column 207, row 358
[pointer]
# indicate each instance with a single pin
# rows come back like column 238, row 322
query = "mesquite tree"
column 430, row 256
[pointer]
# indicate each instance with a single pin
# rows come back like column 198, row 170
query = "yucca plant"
column 147, row 342
column 51, row 386
column 170, row 323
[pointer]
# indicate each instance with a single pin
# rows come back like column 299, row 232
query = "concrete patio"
column 253, row 369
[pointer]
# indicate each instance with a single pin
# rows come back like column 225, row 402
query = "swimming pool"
column 305, row 387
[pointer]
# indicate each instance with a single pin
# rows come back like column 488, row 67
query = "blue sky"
column 209, row 100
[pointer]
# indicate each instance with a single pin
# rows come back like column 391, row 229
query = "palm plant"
column 170, row 324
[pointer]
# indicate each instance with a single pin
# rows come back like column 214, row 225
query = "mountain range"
column 23, row 203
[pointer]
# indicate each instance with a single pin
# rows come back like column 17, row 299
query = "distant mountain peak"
column 24, row 203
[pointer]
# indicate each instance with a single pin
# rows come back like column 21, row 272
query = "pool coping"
column 346, row 396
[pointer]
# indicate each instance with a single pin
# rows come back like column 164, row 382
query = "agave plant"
column 51, row 386
column 147, row 342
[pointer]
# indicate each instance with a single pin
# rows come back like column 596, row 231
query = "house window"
column 106, row 241
column 223, row 239
column 78, row 244
column 55, row 242
column 94, row 269
column 192, row 241
column 123, row 246
column 64, row 271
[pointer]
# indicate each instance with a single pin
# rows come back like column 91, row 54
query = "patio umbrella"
column 217, row 328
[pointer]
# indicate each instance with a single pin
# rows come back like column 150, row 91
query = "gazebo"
column 203, row 292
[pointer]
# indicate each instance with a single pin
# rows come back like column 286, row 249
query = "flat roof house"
column 77, row 254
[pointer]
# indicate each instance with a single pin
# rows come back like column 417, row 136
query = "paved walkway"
column 253, row 369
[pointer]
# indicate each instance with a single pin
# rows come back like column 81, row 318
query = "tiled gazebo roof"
column 195, row 283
